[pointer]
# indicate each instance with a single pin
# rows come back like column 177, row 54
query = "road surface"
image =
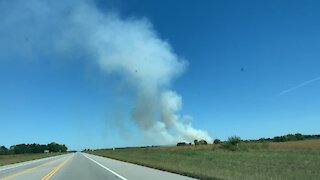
column 82, row 166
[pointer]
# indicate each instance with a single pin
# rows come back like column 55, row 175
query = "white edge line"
column 105, row 167
column 28, row 162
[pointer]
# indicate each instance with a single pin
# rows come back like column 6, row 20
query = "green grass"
column 16, row 158
column 210, row 162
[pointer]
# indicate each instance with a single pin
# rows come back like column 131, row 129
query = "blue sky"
column 253, row 71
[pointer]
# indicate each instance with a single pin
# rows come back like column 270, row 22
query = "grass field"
column 288, row 160
column 16, row 158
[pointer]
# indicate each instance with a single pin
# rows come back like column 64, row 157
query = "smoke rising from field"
column 128, row 47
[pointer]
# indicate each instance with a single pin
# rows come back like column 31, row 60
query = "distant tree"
column 299, row 136
column 261, row 139
column 216, row 141
column 279, row 139
column 36, row 148
column 276, row 139
column 234, row 140
column 20, row 149
column 3, row 150
column 232, row 143
column 54, row 147
column 202, row 142
column 269, row 139
column 64, row 148
column 181, row 144
column 43, row 147
column 195, row 142
column 291, row 137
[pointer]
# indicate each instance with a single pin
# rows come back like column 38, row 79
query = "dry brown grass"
column 294, row 145
column 297, row 145
column 16, row 158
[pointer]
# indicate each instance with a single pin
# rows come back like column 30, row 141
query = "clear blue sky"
column 253, row 71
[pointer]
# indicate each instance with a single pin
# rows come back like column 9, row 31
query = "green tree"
column 195, row 142
column 3, row 150
column 216, row 141
column 234, row 140
column 232, row 143
column 53, row 147
column 299, row 136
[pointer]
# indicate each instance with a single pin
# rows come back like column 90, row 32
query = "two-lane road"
column 82, row 166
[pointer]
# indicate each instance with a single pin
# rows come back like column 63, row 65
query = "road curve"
column 82, row 166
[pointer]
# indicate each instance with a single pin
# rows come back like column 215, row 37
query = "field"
column 286, row 160
column 16, row 158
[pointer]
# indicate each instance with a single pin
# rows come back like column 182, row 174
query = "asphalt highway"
column 82, row 166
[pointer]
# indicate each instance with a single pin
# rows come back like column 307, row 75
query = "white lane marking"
column 28, row 162
column 105, row 167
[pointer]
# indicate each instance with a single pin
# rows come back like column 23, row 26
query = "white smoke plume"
column 127, row 47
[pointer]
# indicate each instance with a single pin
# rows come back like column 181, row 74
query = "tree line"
column 284, row 138
column 33, row 148
column 289, row 137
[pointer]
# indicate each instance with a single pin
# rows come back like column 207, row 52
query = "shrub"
column 299, row 136
column 202, row 142
column 234, row 140
column 229, row 146
column 181, row 144
column 195, row 142
column 3, row 150
column 216, row 141
column 232, row 143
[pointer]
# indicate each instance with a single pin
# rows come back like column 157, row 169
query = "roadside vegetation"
column 231, row 159
column 16, row 158
column 26, row 152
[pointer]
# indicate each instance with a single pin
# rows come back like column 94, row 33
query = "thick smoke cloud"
column 127, row 47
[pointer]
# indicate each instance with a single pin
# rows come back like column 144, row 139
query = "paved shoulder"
column 132, row 171
column 36, row 169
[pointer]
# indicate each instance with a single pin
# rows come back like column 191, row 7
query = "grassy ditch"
column 16, row 158
column 287, row 160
